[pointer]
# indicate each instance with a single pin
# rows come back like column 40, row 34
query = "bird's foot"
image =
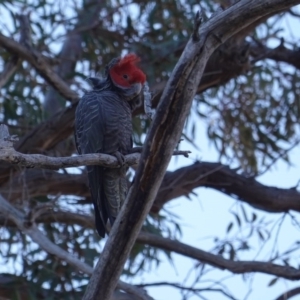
column 120, row 157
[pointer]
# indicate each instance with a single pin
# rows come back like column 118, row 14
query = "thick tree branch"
column 28, row 227
column 39, row 182
column 175, row 184
column 228, row 181
column 164, row 135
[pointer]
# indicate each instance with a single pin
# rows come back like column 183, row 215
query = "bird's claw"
column 120, row 157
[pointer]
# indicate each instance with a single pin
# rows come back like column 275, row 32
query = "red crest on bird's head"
column 125, row 72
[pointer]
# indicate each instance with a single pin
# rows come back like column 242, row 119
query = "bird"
column 103, row 124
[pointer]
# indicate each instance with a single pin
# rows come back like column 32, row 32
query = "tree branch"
column 164, row 134
column 9, row 69
column 280, row 53
column 25, row 224
column 289, row 294
column 40, row 182
column 194, row 290
column 236, row 267
column 11, row 66
column 175, row 184
column 221, row 178
column 39, row 62
column 48, row 134
column 71, row 52
column 9, row 154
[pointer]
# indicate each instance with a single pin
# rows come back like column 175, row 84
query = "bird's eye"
column 125, row 76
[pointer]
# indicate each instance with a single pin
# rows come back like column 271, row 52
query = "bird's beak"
column 134, row 91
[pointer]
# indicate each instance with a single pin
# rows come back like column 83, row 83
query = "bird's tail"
column 115, row 190
column 95, row 176
column 108, row 189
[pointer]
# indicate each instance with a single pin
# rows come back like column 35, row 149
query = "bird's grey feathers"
column 103, row 125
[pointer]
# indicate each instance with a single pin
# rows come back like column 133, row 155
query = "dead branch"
column 149, row 111
column 9, row 154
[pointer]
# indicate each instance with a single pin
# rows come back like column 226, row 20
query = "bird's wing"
column 100, row 120
column 90, row 123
